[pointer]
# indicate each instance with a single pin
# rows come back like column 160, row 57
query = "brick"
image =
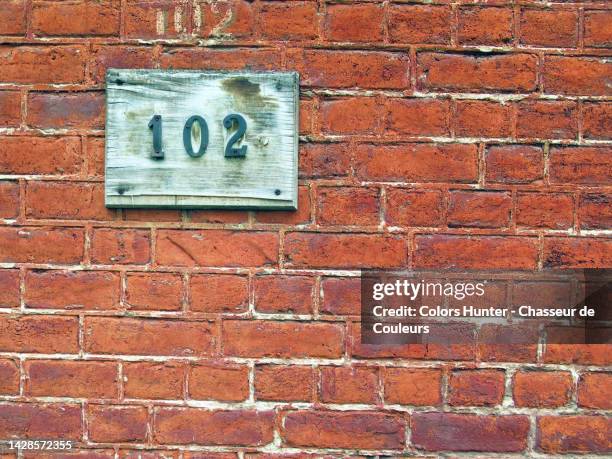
column 62, row 110
column 348, row 206
column 341, row 296
column 479, row 118
column 577, row 252
column 485, row 26
column 10, row 107
column 221, row 59
column 463, row 350
column 514, row 164
column 9, row 377
column 84, row 379
column 219, row 293
column 595, row 211
column 582, row 354
column 580, row 165
column 469, row 432
column 148, row 337
column 539, row 389
column 480, row 209
column 407, row 207
column 354, row 23
column 216, row 248
column 284, row 339
column 597, row 120
column 576, row 75
column 40, row 155
column 66, row 201
column 152, row 215
column 117, row 423
column 225, row 382
column 284, row 383
column 545, row 210
column 324, row 160
column 287, row 20
column 9, row 288
column 417, row 162
column 168, row 454
column 580, row 434
column 284, row 294
column 349, row 385
column 419, row 24
column 408, row 386
column 217, row 216
column 417, row 116
column 476, row 72
column 41, row 245
column 476, row 387
column 154, row 291
column 343, row 429
column 9, row 199
column 43, row 334
column 76, row 453
column 153, row 380
column 540, row 294
column 306, row 116
column 120, row 246
column 290, row 217
column 317, row 250
column 347, row 69
column 158, row 19
column 215, row 20
column 549, row 27
column 547, row 119
column 118, row 57
column 494, row 343
column 37, row 64
column 206, row 427
column 75, row 17
column 482, row 252
column 594, row 390
column 13, row 18
column 353, row 115
column 72, row 290
column 37, row 421
column 597, row 29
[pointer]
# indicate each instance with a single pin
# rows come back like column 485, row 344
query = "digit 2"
column 228, row 122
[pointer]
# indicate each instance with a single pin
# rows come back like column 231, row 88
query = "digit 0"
column 203, row 136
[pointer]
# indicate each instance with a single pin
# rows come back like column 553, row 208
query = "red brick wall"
column 433, row 134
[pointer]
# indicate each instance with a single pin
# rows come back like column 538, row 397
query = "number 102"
column 230, row 151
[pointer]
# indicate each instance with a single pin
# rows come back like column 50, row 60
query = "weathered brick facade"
column 433, row 134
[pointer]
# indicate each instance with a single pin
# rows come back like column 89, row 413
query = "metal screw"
column 277, row 192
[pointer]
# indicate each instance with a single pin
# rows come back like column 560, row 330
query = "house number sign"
column 197, row 139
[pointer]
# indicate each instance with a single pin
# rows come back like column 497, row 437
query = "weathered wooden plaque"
column 198, row 139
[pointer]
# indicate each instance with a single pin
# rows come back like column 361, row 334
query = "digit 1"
column 156, row 125
column 228, row 122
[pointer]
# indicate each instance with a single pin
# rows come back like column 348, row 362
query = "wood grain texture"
column 266, row 178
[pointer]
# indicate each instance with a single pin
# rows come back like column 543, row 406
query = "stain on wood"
column 266, row 178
